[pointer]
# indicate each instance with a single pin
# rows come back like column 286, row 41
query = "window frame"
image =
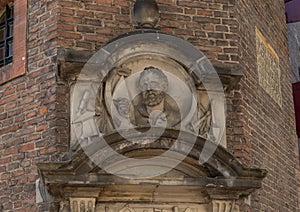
column 7, row 37
column 18, row 66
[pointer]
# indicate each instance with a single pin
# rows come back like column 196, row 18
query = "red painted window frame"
column 296, row 94
column 18, row 66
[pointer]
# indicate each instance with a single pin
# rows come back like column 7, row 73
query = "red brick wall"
column 17, row 67
column 33, row 123
column 34, row 117
column 209, row 25
column 267, row 137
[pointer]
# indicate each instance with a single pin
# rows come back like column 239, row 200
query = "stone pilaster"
column 224, row 206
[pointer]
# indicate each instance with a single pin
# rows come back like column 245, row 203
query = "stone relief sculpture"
column 153, row 104
column 83, row 115
column 123, row 108
column 152, row 208
column 141, row 93
column 81, row 204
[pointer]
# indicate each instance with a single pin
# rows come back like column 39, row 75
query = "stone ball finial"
column 146, row 13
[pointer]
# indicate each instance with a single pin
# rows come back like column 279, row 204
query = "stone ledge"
column 224, row 177
column 71, row 62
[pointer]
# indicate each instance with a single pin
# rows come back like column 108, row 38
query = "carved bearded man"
column 153, row 106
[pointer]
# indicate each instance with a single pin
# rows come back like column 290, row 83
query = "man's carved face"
column 153, row 84
column 123, row 106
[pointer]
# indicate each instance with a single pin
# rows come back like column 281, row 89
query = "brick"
column 80, row 44
column 30, row 115
column 26, row 100
column 71, row 4
column 207, row 13
column 85, row 13
column 33, row 137
column 103, row 16
column 193, row 4
column 2, row 169
column 27, row 147
column 120, row 3
column 3, row 116
column 65, row 27
column 189, row 11
column 48, row 150
column 207, row 20
column 70, row 19
column 5, row 176
column 5, row 160
column 87, row 29
column 18, row 173
column 67, row 11
column 43, row 110
column 10, row 151
column 103, row 8
column 10, row 91
column 70, row 35
column 222, row 28
column 94, row 38
column 9, row 99
column 93, row 22
column 9, row 129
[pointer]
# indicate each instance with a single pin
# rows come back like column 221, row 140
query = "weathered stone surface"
column 72, row 62
column 82, row 204
column 224, row 206
column 147, row 79
column 220, row 178
column 269, row 74
column 168, row 207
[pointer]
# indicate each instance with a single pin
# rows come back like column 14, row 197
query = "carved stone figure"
column 123, row 107
column 146, row 91
column 82, row 204
column 83, row 118
column 101, row 114
column 153, row 102
column 106, row 121
column 166, row 207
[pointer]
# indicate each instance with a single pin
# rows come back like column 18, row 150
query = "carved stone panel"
column 82, row 204
column 147, row 90
column 146, row 84
column 224, row 206
column 269, row 74
column 164, row 207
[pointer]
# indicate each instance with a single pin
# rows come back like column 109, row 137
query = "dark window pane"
column 9, row 49
column 1, row 53
column 10, row 30
column 1, row 34
column 6, row 36
column 9, row 12
column 2, row 19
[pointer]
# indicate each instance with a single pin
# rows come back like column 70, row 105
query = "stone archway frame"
column 181, row 51
column 219, row 181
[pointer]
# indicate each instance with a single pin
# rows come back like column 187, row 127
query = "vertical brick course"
column 28, row 114
column 266, row 137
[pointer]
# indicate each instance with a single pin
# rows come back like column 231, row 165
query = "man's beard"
column 153, row 98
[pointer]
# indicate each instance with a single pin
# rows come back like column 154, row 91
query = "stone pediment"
column 147, row 121
column 220, row 177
